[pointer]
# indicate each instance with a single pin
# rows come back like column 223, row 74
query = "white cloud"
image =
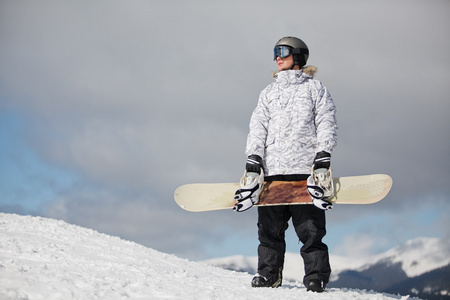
column 357, row 246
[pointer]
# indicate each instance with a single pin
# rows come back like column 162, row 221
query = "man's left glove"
column 320, row 183
column 320, row 187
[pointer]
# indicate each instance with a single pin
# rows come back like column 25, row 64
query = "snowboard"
column 366, row 189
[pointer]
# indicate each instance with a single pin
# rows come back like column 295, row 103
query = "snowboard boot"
column 271, row 281
column 315, row 285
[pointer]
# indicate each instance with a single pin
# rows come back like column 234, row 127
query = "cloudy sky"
column 107, row 106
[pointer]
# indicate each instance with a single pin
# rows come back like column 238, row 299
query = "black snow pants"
column 309, row 224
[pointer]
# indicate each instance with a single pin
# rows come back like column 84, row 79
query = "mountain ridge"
column 395, row 270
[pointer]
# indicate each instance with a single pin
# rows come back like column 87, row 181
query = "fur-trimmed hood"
column 287, row 77
column 310, row 70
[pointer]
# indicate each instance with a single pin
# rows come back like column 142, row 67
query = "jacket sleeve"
column 259, row 121
column 325, row 118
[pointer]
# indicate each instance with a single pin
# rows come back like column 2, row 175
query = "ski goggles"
column 281, row 52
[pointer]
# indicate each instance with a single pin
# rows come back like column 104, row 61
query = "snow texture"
column 49, row 259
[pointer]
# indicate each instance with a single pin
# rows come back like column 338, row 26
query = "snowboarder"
column 293, row 130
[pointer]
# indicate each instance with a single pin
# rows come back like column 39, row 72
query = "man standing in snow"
column 292, row 132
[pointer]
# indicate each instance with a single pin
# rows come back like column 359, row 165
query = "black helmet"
column 294, row 46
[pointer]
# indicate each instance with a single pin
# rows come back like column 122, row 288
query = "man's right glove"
column 254, row 164
column 251, row 184
column 248, row 195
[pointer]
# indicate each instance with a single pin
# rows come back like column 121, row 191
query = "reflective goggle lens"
column 281, row 51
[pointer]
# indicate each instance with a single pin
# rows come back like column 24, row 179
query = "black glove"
column 322, row 160
column 254, row 164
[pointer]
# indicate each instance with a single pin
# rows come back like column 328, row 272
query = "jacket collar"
column 285, row 78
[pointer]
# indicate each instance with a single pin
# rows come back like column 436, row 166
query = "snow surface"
column 49, row 259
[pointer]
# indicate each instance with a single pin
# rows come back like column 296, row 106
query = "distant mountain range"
column 419, row 267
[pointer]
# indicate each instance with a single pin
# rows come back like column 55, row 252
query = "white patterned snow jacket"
column 295, row 118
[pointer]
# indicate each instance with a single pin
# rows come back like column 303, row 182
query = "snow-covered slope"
column 48, row 259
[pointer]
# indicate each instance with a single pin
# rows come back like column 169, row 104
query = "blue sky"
column 106, row 107
column 26, row 183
